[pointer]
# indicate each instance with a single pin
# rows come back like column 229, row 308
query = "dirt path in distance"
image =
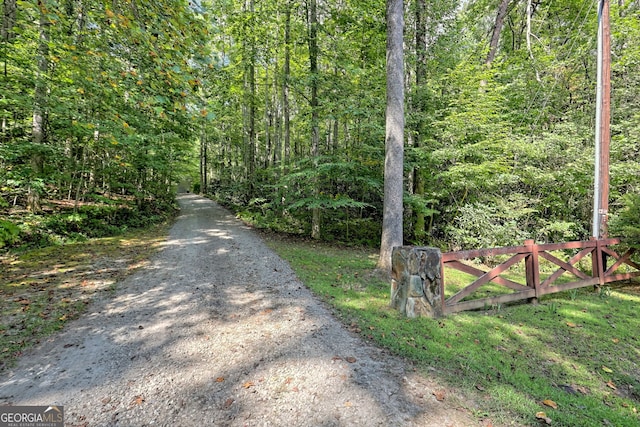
column 218, row 331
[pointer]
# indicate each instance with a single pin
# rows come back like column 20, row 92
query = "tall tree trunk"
column 268, row 120
column 530, row 10
column 250, row 100
column 394, row 140
column 315, row 131
column 40, row 91
column 421, row 75
column 497, row 29
column 285, row 86
column 10, row 9
column 276, row 155
column 39, row 108
column 203, row 162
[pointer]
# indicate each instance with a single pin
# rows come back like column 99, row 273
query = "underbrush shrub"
column 90, row 221
column 9, row 233
column 626, row 222
column 269, row 220
column 353, row 232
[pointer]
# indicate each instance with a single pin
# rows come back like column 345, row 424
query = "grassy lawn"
column 572, row 359
column 41, row 289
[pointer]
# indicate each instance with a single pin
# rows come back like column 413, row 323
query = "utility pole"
column 603, row 118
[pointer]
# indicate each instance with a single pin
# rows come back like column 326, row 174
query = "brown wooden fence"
column 605, row 268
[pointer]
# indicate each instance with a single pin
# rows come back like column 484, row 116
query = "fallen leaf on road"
column 550, row 403
column 248, row 384
column 582, row 389
column 138, row 400
column 351, row 359
column 543, row 417
column 439, row 395
column 220, row 379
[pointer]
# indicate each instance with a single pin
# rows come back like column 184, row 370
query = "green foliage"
column 626, row 224
column 88, row 221
column 115, row 115
column 481, row 226
column 327, row 202
column 349, row 197
column 9, row 233
column 495, row 152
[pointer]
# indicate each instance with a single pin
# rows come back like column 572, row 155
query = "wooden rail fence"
column 605, row 266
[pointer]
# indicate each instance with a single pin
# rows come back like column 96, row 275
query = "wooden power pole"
column 603, row 118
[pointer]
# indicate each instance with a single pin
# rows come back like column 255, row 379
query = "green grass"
column 579, row 349
column 42, row 289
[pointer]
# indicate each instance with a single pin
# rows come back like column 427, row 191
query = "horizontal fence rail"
column 530, row 253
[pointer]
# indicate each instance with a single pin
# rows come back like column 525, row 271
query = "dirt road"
column 218, row 331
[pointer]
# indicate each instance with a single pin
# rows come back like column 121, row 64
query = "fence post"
column 532, row 269
column 416, row 281
column 598, row 261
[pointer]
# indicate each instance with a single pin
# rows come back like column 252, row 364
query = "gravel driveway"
column 218, row 331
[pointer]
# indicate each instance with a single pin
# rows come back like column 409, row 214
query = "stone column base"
column 416, row 281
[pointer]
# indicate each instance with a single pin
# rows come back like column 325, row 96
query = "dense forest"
column 277, row 109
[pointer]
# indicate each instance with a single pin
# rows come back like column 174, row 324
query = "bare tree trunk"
column 39, row 108
column 315, row 131
column 421, row 75
column 497, row 29
column 285, row 86
column 268, row 120
column 10, row 9
column 203, row 162
column 40, row 92
column 250, row 100
column 530, row 10
column 394, row 140
column 276, row 155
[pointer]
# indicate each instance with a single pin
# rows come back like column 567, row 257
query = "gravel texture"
column 218, row 331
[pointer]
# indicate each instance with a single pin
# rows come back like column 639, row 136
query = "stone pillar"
column 416, row 281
